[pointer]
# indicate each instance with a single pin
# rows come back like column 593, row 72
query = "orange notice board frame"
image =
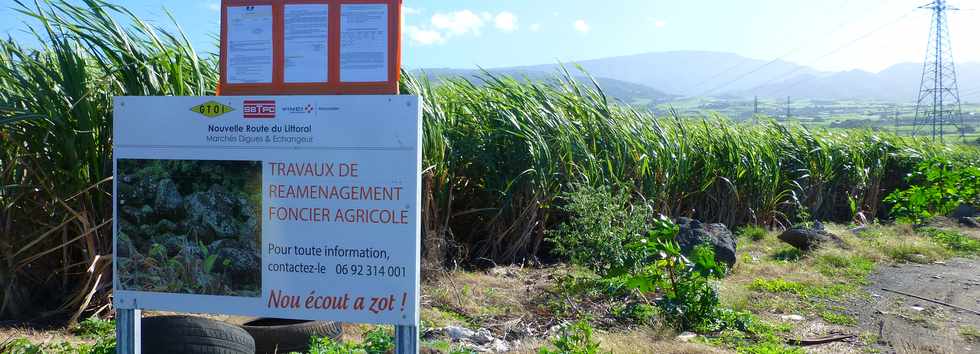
column 333, row 85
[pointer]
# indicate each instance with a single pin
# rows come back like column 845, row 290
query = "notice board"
column 310, row 47
column 302, row 207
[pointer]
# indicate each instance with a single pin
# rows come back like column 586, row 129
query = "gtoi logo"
column 299, row 109
column 255, row 109
column 211, row 109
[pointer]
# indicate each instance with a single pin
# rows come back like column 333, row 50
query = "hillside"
column 687, row 73
column 899, row 82
column 627, row 92
column 717, row 74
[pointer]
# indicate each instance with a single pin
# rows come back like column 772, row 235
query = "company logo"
column 255, row 109
column 211, row 109
column 299, row 109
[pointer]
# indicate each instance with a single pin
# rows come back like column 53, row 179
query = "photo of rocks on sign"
column 190, row 227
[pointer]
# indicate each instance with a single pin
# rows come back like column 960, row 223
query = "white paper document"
column 305, row 43
column 364, row 43
column 249, row 56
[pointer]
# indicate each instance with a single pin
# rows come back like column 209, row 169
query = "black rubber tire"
column 275, row 335
column 193, row 335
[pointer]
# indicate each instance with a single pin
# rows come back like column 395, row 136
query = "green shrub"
column 602, row 224
column 574, row 339
column 376, row 341
column 636, row 313
column 752, row 232
column 329, row 346
column 936, row 187
column 94, row 328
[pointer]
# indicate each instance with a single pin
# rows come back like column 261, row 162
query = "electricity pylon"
column 938, row 105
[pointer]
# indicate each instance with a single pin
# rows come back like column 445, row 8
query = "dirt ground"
column 909, row 325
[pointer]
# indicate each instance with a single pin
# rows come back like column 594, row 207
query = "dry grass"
column 41, row 335
column 651, row 341
column 503, row 292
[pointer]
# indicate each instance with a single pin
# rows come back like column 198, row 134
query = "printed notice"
column 249, row 44
column 364, row 43
column 306, row 43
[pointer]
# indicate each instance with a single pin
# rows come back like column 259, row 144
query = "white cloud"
column 486, row 16
column 424, row 36
column 214, row 6
column 660, row 23
column 408, row 11
column 505, row 21
column 458, row 23
column 535, row 27
column 582, row 26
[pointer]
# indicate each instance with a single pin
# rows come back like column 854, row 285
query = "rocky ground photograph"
column 190, row 227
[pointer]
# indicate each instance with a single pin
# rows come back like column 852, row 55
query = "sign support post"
column 406, row 339
column 128, row 331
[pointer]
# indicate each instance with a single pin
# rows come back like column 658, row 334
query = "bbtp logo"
column 259, row 109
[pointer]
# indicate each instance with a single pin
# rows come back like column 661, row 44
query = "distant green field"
column 822, row 114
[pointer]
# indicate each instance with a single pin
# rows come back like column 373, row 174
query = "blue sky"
column 830, row 35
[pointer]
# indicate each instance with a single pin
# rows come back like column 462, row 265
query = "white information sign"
column 303, row 207
column 364, row 42
column 249, row 44
column 306, row 43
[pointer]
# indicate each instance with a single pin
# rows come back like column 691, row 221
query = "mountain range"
column 662, row 76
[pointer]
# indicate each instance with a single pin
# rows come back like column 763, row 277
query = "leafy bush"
column 94, row 328
column 637, row 313
column 636, row 254
column 601, row 227
column 936, row 187
column 574, row 339
column 376, row 341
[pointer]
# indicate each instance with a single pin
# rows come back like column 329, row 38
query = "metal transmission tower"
column 939, row 99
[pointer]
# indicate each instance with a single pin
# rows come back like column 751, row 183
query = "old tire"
column 276, row 335
column 193, row 335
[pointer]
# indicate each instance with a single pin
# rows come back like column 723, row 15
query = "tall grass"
column 502, row 151
column 56, row 129
column 498, row 155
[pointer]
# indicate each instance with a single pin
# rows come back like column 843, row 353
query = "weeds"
column 574, row 339
column 752, row 232
column 838, row 318
column 970, row 333
column 376, row 341
column 804, row 291
column 953, row 240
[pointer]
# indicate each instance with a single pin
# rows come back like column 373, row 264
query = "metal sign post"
column 128, row 331
column 406, row 339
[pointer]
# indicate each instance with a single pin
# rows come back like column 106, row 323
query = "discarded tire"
column 193, row 335
column 275, row 335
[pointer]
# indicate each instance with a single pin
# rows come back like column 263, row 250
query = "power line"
column 836, row 29
column 832, row 52
column 791, row 52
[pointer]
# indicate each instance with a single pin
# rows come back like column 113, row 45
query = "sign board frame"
column 354, row 124
column 334, row 85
